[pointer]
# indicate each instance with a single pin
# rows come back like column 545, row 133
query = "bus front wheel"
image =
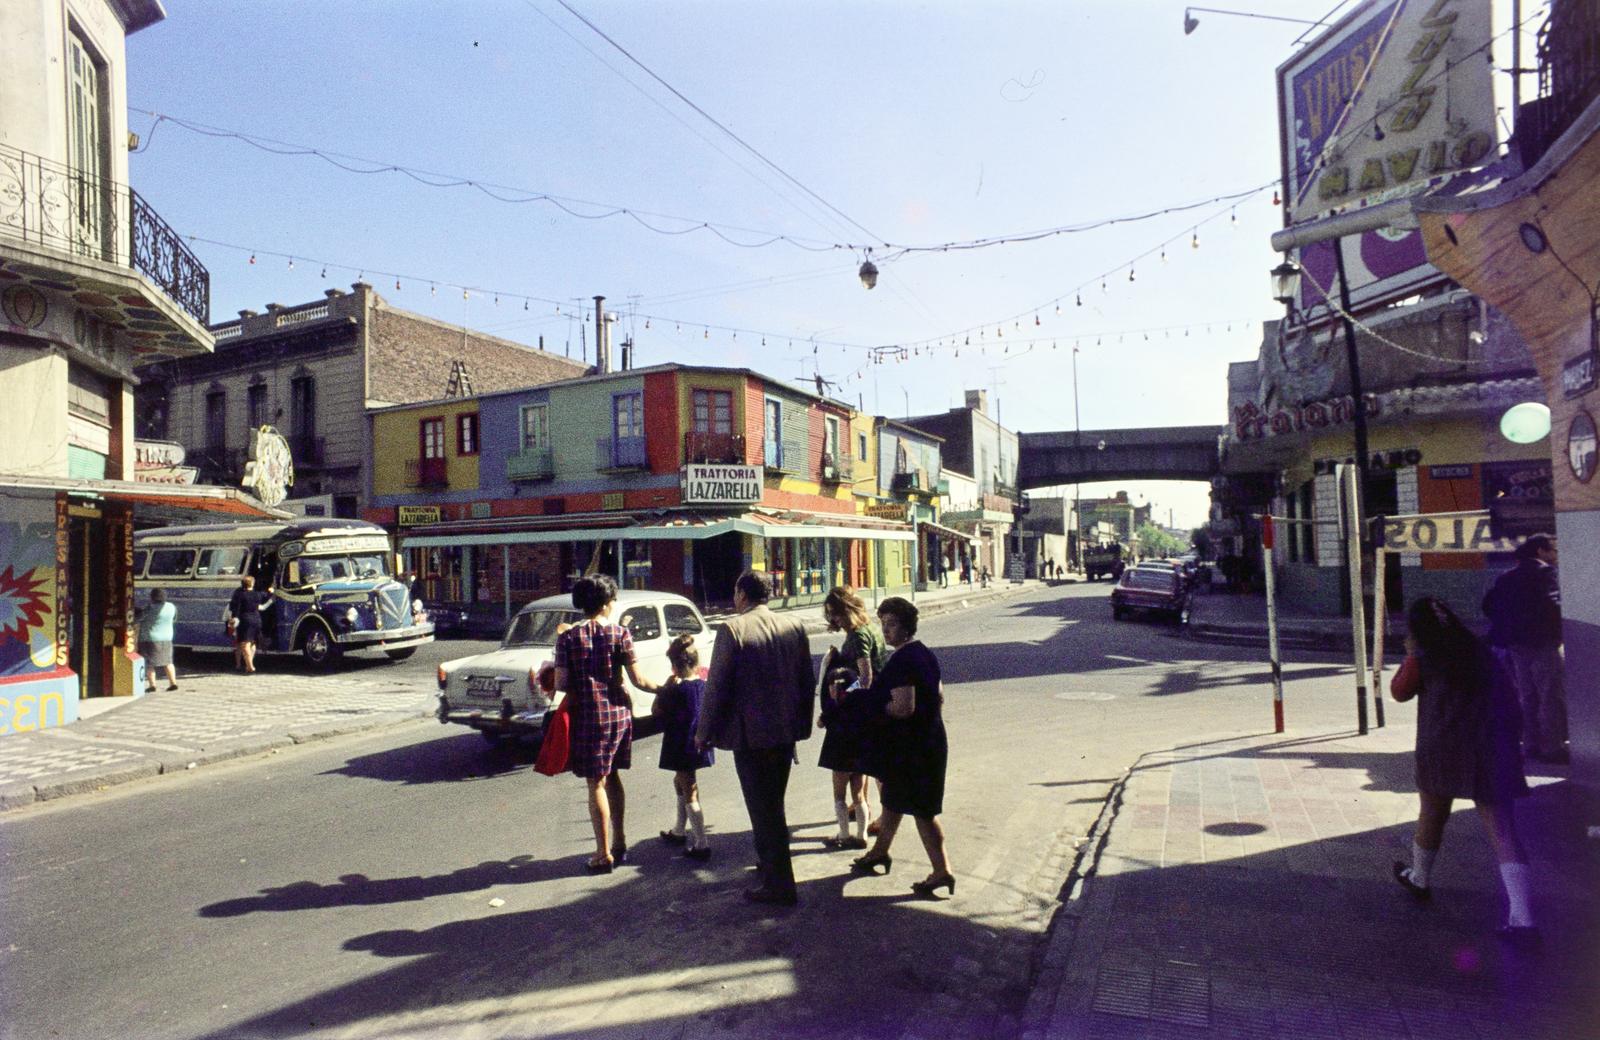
column 318, row 647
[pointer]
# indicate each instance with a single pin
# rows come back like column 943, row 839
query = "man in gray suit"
column 759, row 698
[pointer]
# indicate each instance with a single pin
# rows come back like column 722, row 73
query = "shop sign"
column 1450, row 472
column 1377, row 461
column 407, row 516
column 161, row 462
column 612, row 500
column 721, row 485
column 1578, row 375
column 1581, row 443
column 1251, row 422
column 1445, row 533
column 888, row 511
column 269, row 474
column 1390, row 102
column 481, row 511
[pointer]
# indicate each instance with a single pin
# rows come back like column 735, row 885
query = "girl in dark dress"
column 862, row 652
column 677, row 708
column 245, row 611
column 1468, row 734
column 590, row 659
column 910, row 751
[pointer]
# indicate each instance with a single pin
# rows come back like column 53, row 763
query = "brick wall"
column 410, row 358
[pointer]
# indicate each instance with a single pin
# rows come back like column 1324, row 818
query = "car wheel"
column 318, row 647
column 1117, row 613
column 402, row 654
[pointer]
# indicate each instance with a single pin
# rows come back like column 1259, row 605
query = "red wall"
column 662, row 424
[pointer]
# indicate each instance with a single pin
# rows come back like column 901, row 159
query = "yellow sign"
column 611, row 500
column 409, row 515
column 893, row 511
column 1444, row 533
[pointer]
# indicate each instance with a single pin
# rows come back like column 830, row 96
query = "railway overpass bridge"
column 1087, row 456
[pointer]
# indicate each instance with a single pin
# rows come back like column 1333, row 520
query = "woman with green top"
column 843, row 748
column 155, row 640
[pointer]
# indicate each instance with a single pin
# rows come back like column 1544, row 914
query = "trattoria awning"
column 946, row 532
column 605, row 527
column 163, row 502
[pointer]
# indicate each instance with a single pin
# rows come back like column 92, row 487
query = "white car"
column 499, row 693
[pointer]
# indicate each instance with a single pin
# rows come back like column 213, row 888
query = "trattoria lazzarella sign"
column 721, row 485
column 1444, row 533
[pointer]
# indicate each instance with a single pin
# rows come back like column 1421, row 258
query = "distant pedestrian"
column 677, row 707
column 1524, row 611
column 863, row 652
column 591, row 659
column 244, row 613
column 758, row 703
column 155, row 640
column 912, row 751
column 1467, row 731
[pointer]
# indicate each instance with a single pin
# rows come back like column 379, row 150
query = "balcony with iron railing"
column 837, row 468
column 913, row 481
column 619, row 453
column 51, row 204
column 426, row 473
column 531, row 464
column 714, row 448
column 1568, row 52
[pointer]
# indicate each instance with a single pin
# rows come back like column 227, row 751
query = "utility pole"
column 1077, row 451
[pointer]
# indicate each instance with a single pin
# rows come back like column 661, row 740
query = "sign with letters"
column 890, row 511
column 406, row 516
column 1578, row 375
column 721, row 485
column 1444, row 533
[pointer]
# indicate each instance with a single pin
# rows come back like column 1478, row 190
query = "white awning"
column 612, row 527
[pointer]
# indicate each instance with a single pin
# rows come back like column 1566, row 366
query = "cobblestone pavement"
column 209, row 718
column 1243, row 889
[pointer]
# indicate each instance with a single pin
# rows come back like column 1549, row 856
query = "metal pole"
column 1379, row 613
column 914, row 552
column 1354, row 361
column 1077, row 451
column 1348, row 481
column 1272, row 624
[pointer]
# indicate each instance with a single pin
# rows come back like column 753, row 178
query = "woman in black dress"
column 862, row 653
column 245, row 611
column 909, row 750
column 1468, row 734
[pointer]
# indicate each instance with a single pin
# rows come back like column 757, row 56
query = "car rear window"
column 1151, row 579
column 538, row 627
column 641, row 622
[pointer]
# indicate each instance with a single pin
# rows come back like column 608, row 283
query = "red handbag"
column 553, row 750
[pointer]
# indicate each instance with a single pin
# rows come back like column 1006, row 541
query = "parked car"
column 1153, row 587
column 449, row 620
column 500, row 694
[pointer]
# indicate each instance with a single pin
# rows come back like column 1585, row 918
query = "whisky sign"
column 707, row 485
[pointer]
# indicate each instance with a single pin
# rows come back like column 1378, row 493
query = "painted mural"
column 27, row 597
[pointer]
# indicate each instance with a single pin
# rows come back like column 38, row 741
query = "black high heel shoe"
column 928, row 886
column 619, row 854
column 600, row 866
column 870, row 863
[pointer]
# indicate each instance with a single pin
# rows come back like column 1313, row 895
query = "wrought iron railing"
column 725, row 448
column 423, row 473
column 1568, row 52
column 55, row 205
column 534, row 464
column 837, row 468
column 620, row 453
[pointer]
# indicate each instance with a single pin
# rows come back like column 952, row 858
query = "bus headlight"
column 351, row 616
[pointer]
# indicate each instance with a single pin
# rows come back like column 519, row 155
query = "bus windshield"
column 313, row 570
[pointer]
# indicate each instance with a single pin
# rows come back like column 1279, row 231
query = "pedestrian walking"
column 591, row 658
column 913, row 751
column 1467, row 730
column 244, row 614
column 758, row 703
column 677, row 708
column 155, row 640
column 863, row 652
column 1524, row 611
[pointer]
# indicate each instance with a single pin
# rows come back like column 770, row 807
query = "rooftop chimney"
column 602, row 344
column 978, row 399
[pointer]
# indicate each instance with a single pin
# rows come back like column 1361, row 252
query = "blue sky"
column 922, row 122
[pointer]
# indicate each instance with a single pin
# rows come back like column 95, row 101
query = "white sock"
column 862, row 812
column 1514, row 876
column 1421, row 864
column 683, row 812
column 841, row 811
column 697, row 825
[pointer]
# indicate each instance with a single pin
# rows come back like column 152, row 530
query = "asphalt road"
column 417, row 883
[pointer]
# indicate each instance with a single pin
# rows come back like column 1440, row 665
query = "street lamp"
column 868, row 272
column 1286, row 282
column 1190, row 22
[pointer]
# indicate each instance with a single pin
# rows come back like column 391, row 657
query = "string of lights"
column 1327, row 298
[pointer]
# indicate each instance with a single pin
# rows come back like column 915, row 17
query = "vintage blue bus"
column 332, row 585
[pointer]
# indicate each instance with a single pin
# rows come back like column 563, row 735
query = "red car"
column 1157, row 588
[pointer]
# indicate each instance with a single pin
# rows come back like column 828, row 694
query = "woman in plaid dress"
column 589, row 660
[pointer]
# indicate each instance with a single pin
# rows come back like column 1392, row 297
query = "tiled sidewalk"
column 1244, row 890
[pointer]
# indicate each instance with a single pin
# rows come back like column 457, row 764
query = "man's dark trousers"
column 764, row 777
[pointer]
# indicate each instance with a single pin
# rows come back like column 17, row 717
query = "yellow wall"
column 1441, row 441
column 690, row 380
column 395, row 444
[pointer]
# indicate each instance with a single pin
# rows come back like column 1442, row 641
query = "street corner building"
column 92, row 281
